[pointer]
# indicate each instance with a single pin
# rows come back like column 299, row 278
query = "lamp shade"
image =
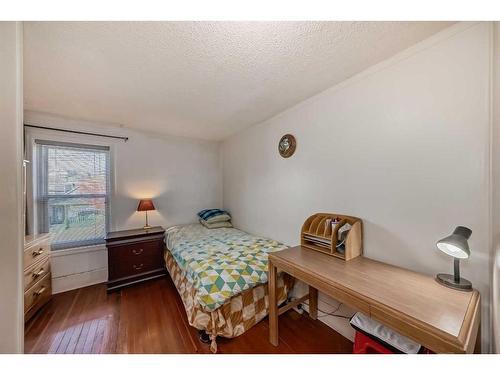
column 146, row 205
column 456, row 244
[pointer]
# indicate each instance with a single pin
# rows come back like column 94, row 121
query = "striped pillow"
column 214, row 215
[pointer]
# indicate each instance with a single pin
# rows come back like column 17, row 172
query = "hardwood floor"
column 150, row 318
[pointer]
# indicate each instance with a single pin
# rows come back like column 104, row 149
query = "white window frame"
column 43, row 215
column 31, row 136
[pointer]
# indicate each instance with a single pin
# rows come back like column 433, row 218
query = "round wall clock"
column 286, row 145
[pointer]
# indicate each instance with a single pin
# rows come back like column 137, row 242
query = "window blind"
column 72, row 193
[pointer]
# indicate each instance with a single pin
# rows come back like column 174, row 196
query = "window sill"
column 78, row 250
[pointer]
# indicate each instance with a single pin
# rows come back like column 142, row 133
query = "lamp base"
column 146, row 227
column 449, row 281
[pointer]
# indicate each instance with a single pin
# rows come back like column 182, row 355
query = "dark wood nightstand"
column 135, row 255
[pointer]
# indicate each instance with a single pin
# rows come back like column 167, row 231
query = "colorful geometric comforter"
column 220, row 263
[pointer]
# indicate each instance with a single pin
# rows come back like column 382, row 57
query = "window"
column 72, row 193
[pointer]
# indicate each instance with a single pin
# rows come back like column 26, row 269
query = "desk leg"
column 273, row 305
column 477, row 347
column 313, row 303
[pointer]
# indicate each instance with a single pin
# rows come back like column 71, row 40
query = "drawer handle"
column 38, row 274
column 139, row 267
column 38, row 252
column 138, row 252
column 39, row 292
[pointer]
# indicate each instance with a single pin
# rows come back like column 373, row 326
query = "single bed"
column 221, row 277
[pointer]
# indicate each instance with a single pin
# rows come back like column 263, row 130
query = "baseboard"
column 79, row 280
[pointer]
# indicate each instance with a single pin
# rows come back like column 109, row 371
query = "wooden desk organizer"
column 317, row 234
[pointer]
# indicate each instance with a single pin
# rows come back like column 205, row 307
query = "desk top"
column 409, row 302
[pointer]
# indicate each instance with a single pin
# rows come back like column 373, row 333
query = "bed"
column 221, row 277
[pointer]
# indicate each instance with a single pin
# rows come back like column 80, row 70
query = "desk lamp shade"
column 146, row 205
column 455, row 245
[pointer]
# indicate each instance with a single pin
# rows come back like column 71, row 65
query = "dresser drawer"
column 38, row 294
column 35, row 253
column 36, row 272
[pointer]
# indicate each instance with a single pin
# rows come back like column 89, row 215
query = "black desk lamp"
column 455, row 245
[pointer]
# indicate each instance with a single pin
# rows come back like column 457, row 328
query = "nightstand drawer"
column 130, row 266
column 135, row 251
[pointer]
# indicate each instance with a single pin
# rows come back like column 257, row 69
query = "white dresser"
column 37, row 276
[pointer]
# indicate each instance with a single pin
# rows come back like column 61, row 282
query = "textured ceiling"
column 197, row 79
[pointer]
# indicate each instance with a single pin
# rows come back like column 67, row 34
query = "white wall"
column 182, row 176
column 11, row 295
column 495, row 261
column 403, row 145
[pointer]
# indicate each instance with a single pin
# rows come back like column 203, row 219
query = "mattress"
column 220, row 263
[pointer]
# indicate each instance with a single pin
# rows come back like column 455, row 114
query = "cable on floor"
column 331, row 313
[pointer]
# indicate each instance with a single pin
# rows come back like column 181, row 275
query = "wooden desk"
column 415, row 305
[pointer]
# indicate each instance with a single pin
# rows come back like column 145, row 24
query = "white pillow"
column 221, row 224
column 218, row 218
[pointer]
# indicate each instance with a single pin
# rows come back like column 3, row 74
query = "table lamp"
column 455, row 245
column 146, row 205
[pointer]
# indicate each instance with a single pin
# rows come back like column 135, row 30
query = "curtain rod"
column 77, row 132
